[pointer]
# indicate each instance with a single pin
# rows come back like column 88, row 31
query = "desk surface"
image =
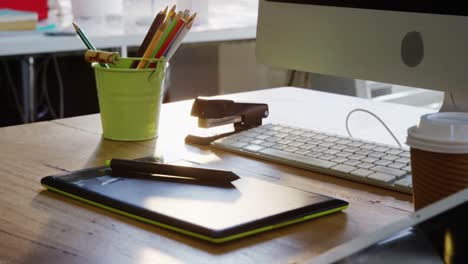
column 39, row 226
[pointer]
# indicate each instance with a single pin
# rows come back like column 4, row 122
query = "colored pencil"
column 158, row 20
column 154, row 41
column 172, row 35
column 176, row 43
column 86, row 41
column 165, row 35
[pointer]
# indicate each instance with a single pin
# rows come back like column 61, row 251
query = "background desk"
column 228, row 22
column 37, row 226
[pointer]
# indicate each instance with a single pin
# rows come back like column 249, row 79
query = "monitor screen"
column 409, row 43
column 441, row 7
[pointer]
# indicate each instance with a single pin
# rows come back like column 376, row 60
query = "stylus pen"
column 208, row 175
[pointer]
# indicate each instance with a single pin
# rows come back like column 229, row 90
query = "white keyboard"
column 364, row 161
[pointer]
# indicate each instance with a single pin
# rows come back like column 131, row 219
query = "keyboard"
column 346, row 157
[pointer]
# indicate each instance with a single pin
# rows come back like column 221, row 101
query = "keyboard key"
column 298, row 158
column 364, row 152
column 246, row 139
column 389, row 170
column 253, row 148
column 296, row 144
column 377, row 154
column 394, row 151
column 355, row 144
column 339, row 147
column 380, row 149
column 268, row 144
column 238, row 144
column 383, row 162
column 352, row 162
column 381, row 177
column 344, row 154
column 319, row 149
column 405, row 154
column 370, row 159
column 405, row 182
column 351, row 149
column 284, row 141
column 327, row 157
column 343, row 168
column 281, row 135
column 331, row 151
column 397, row 165
column 290, row 149
column 362, row 172
column 343, row 141
column 331, row 139
column 293, row 137
column 270, row 133
column 280, row 146
column 308, row 134
column 390, row 157
column 286, row 130
column 366, row 165
column 297, row 132
column 403, row 160
column 314, row 154
column 407, row 168
column 320, row 137
column 303, row 139
column 368, row 146
column 262, row 137
column 356, row 157
column 339, row 159
column 326, row 144
column 257, row 142
column 307, row 146
column 250, row 134
column 314, row 141
column 302, row 151
column 273, row 139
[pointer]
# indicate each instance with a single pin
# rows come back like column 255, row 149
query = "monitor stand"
column 455, row 101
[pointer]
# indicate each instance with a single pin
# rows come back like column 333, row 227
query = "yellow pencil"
column 172, row 11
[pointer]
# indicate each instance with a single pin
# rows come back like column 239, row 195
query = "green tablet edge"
column 189, row 233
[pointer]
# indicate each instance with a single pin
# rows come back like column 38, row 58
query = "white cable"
column 374, row 115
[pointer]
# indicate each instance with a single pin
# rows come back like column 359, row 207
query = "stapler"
column 215, row 112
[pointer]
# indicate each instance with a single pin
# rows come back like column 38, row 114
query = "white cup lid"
column 440, row 132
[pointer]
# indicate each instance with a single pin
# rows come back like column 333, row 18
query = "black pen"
column 206, row 175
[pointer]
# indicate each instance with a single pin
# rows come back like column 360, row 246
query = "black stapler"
column 216, row 112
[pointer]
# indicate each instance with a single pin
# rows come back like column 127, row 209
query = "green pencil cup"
column 129, row 99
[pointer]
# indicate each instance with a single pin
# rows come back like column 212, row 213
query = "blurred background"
column 43, row 76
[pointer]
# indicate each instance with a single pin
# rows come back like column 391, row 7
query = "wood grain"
column 37, row 226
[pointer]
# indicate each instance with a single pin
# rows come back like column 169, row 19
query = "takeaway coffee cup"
column 439, row 156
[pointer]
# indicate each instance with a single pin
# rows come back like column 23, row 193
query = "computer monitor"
column 413, row 43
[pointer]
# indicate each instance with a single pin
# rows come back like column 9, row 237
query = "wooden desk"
column 38, row 226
